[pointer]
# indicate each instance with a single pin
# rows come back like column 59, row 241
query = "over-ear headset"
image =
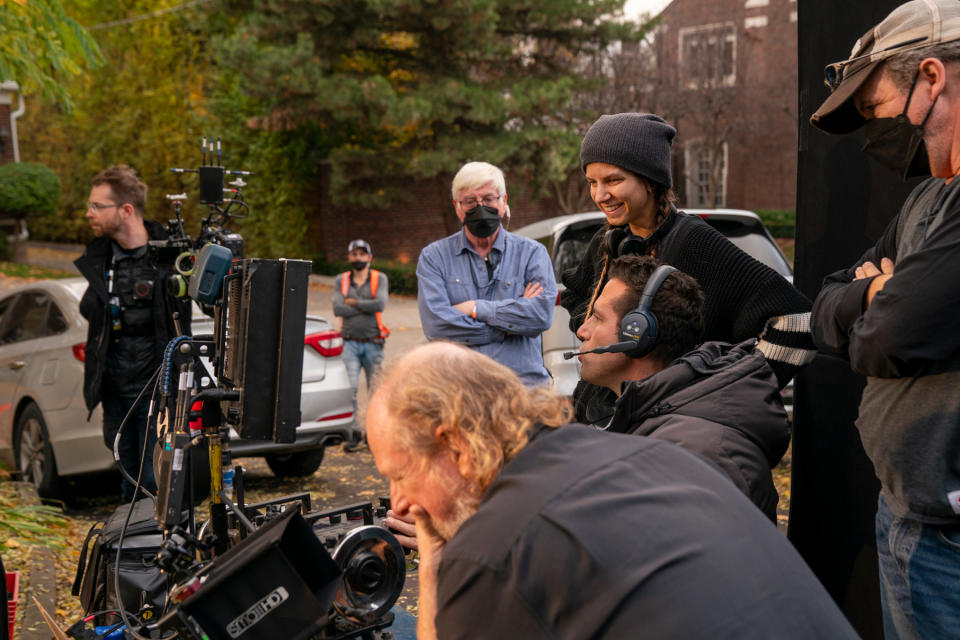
column 618, row 241
column 638, row 328
column 640, row 325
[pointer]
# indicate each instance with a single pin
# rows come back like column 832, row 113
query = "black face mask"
column 482, row 221
column 359, row 264
column 897, row 143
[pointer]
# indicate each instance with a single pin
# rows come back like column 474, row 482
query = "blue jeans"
column 368, row 355
column 919, row 576
column 131, row 440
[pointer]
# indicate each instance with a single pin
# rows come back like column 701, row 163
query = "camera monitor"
column 260, row 328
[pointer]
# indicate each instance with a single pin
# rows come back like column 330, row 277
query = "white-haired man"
column 531, row 529
column 484, row 286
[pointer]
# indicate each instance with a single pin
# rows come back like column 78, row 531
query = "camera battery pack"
column 213, row 263
column 211, row 184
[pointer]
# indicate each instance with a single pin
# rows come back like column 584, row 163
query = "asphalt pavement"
column 400, row 316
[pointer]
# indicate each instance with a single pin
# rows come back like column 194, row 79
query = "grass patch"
column 17, row 270
column 27, row 524
column 402, row 276
column 787, row 246
column 781, row 223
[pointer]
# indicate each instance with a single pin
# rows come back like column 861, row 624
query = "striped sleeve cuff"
column 787, row 339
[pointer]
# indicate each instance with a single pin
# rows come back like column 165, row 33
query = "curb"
column 40, row 581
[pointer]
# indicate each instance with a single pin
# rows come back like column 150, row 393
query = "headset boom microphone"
column 616, row 347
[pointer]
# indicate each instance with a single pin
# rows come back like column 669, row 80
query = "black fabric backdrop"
column 844, row 201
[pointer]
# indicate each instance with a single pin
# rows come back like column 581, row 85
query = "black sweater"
column 743, row 299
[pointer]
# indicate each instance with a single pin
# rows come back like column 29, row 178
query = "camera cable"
column 116, row 441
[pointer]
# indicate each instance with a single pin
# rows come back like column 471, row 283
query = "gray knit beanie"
column 637, row 142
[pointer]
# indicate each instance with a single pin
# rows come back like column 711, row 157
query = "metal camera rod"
column 211, row 422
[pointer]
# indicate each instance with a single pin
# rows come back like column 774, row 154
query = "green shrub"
column 780, row 223
column 27, row 189
column 402, row 277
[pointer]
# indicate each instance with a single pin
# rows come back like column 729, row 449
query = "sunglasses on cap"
column 833, row 74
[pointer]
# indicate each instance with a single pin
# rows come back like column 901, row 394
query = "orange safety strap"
column 374, row 281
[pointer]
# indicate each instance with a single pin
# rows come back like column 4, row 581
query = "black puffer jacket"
column 93, row 306
column 720, row 401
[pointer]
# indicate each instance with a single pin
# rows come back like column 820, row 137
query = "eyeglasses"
column 488, row 201
column 833, row 73
column 96, row 206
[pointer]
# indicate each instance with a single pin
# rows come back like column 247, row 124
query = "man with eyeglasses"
column 894, row 313
column 129, row 315
column 484, row 286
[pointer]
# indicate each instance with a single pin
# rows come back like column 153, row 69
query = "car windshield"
column 754, row 243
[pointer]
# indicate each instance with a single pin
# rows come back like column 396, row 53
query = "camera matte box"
column 263, row 356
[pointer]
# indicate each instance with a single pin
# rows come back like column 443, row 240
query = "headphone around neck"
column 618, row 241
column 640, row 325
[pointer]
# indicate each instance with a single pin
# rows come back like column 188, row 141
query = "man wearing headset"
column 719, row 400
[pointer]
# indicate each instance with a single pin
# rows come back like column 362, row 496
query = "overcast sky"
column 635, row 7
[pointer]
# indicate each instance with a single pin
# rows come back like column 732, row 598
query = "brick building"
column 11, row 107
column 400, row 231
column 727, row 78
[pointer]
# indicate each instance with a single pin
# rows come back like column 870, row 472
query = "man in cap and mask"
column 359, row 298
column 484, row 286
column 894, row 313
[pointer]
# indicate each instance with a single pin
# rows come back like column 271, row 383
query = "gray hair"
column 474, row 175
column 903, row 68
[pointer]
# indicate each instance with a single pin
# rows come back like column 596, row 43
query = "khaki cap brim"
column 838, row 114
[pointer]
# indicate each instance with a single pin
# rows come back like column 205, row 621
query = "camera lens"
column 365, row 572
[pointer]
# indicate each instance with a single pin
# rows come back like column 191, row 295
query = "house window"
column 706, row 169
column 708, row 55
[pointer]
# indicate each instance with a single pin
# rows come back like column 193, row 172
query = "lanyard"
column 113, row 301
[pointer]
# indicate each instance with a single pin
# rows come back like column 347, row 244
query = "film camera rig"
column 251, row 571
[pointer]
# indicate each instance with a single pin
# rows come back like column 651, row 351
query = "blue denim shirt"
column 508, row 326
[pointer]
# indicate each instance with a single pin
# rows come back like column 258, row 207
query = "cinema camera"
column 250, row 572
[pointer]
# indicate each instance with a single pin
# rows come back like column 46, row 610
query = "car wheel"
column 34, row 454
column 302, row 463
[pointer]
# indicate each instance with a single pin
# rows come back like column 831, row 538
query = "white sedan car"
column 44, row 427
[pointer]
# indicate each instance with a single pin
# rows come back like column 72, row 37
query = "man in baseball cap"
column 359, row 298
column 893, row 313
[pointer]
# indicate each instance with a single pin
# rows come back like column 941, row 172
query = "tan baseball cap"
column 912, row 25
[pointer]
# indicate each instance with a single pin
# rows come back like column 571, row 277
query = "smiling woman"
column 626, row 160
column 624, row 198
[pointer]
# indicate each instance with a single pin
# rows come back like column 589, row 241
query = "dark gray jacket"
column 95, row 308
column 721, row 401
column 908, row 346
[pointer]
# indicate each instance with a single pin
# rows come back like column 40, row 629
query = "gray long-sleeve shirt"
column 359, row 322
column 908, row 346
